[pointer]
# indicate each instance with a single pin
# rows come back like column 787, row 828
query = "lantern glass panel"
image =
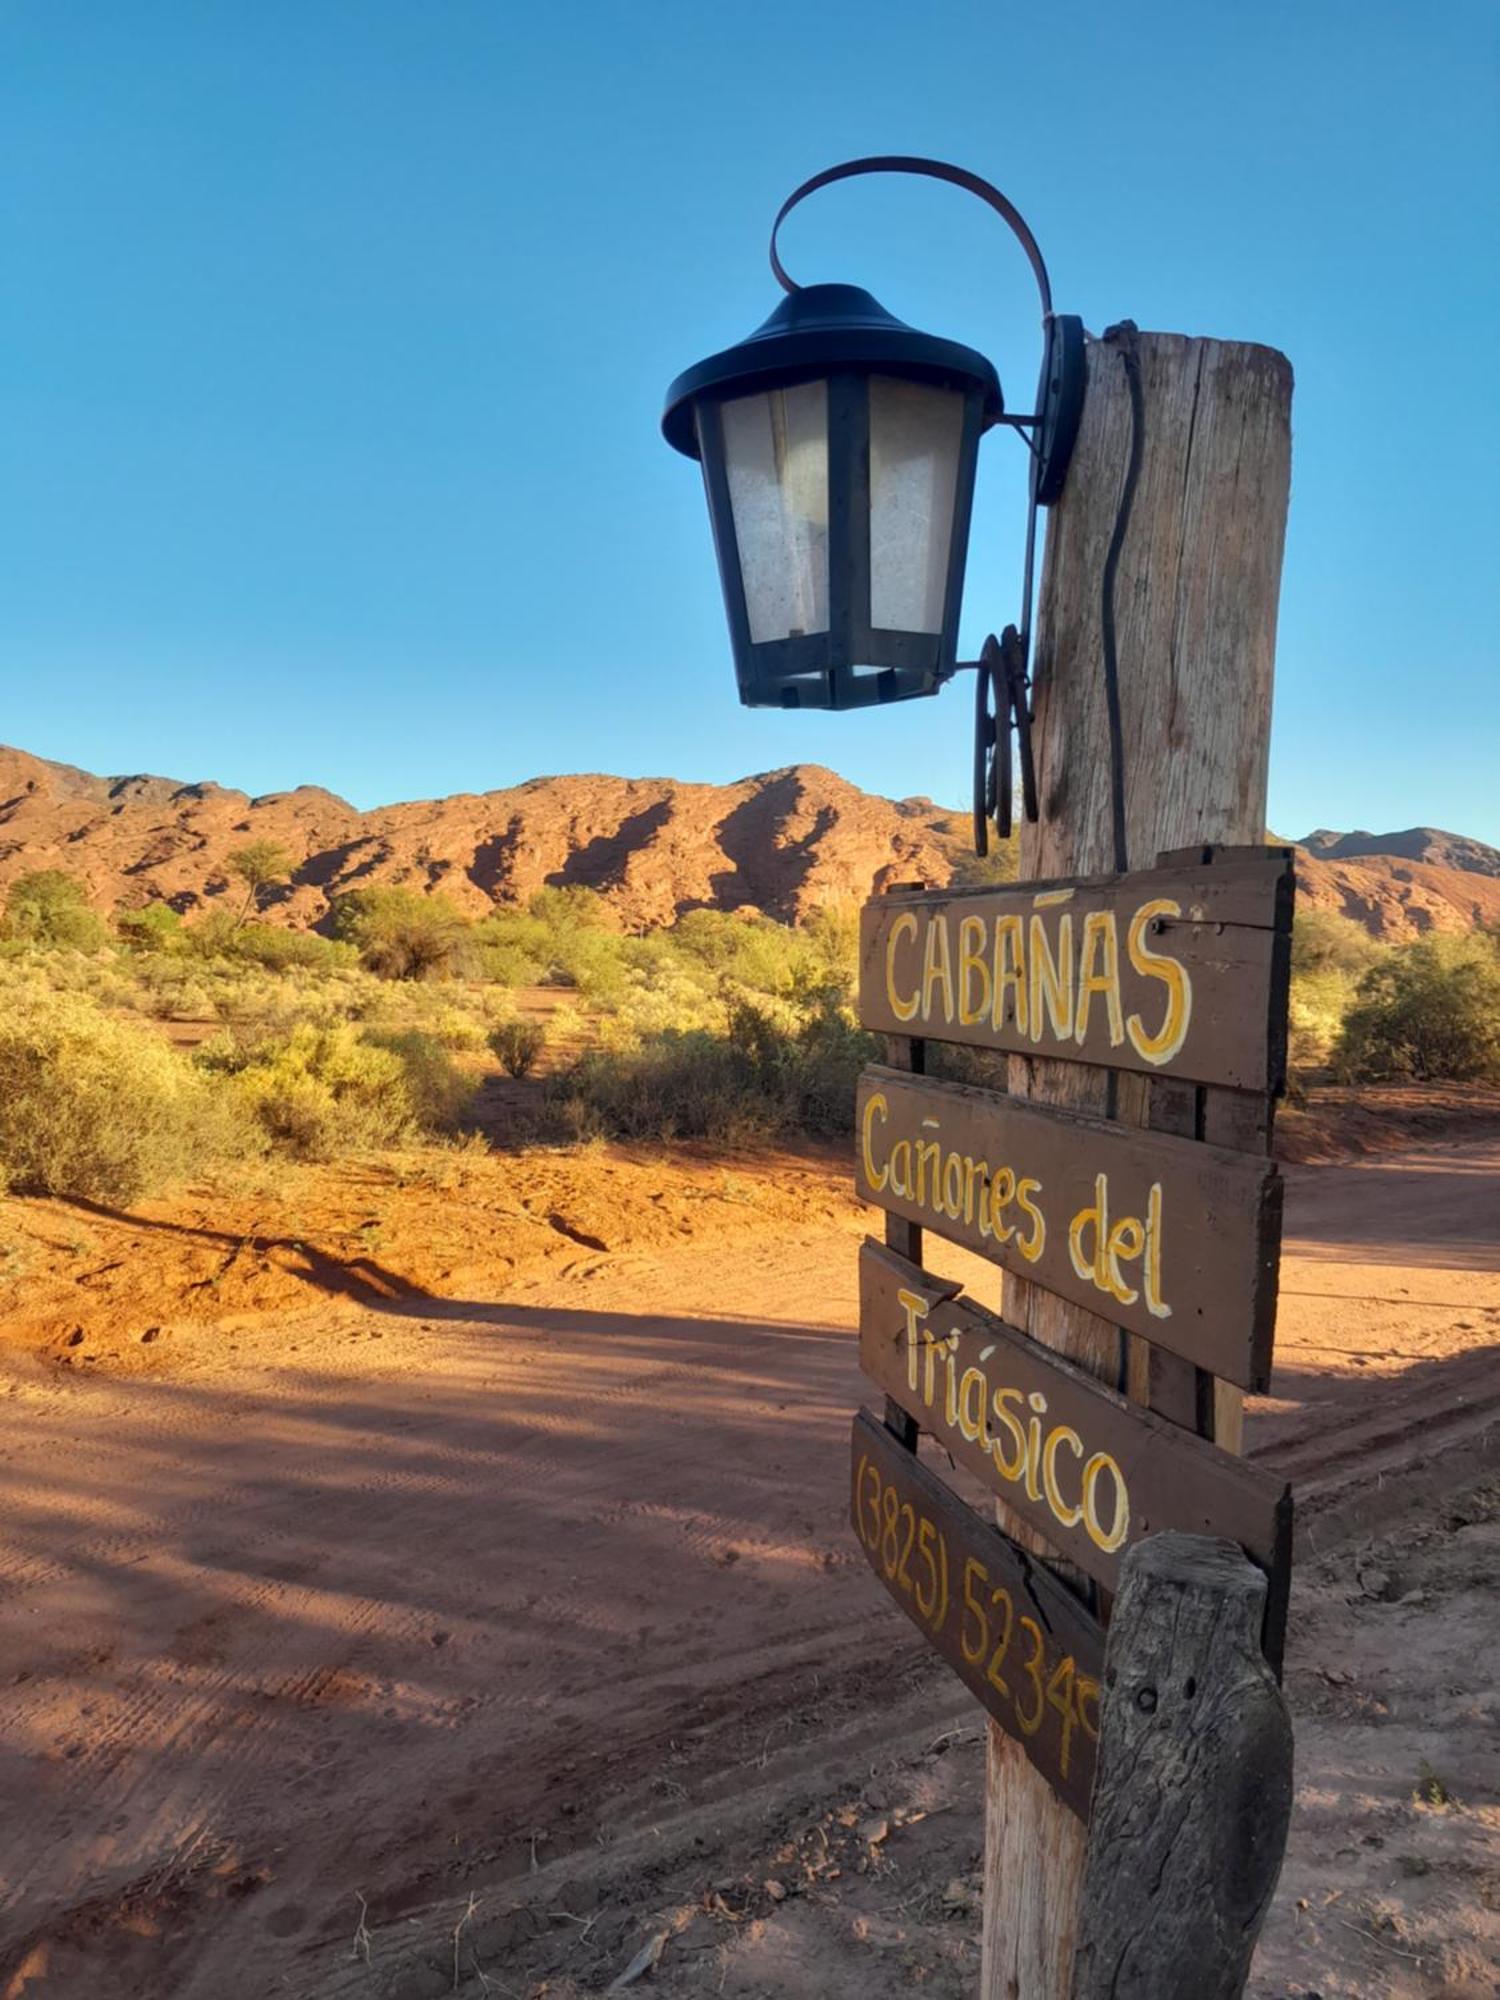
column 916, row 435
column 776, row 463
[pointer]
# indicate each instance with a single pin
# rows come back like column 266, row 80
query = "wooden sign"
column 1016, row 1637
column 1175, row 1240
column 1176, row 971
column 1090, row 1472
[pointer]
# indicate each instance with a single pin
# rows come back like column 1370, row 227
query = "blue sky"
column 337, row 330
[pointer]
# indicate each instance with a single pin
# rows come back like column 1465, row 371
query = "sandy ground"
column 415, row 1645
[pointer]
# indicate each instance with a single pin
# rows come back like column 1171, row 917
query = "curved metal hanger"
column 1003, row 698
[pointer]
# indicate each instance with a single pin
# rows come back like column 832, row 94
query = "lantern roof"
column 816, row 329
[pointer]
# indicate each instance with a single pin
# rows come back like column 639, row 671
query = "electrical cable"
column 1122, row 337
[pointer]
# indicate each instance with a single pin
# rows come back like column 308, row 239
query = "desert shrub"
column 103, row 1109
column 754, row 1081
column 50, row 909
column 157, row 928
column 221, row 937
column 279, row 950
column 438, row 1090
column 974, row 871
column 562, row 938
column 517, row 1044
column 1328, row 941
column 1330, row 955
column 401, row 934
column 1426, row 1011
column 324, row 1088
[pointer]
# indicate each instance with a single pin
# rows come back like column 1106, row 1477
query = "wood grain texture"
column 1194, row 1788
column 1195, row 603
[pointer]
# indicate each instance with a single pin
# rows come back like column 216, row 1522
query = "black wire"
column 1122, row 337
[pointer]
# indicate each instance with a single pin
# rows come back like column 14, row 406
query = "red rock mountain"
column 785, row 842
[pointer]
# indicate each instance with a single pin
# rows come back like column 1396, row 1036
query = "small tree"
column 1429, row 1010
column 516, row 1044
column 50, row 908
column 259, row 865
column 399, row 933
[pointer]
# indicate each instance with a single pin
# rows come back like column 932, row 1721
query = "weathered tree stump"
column 1194, row 1786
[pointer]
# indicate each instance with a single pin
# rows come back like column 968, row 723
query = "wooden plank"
column 1087, row 1469
column 1170, row 1239
column 1018, row 1639
column 1176, row 971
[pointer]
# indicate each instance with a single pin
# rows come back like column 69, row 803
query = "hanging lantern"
column 839, row 449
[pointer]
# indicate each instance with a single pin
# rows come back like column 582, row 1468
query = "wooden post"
column 1194, row 1785
column 1195, row 614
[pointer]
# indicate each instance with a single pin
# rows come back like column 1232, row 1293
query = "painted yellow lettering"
column 1127, row 1239
column 915, row 1308
column 971, row 1398
column 876, row 1106
column 1051, row 979
column 904, row 926
column 1099, row 972
column 1012, row 1468
column 1032, row 1246
column 1068, row 1516
column 1002, row 1194
column 1169, row 1037
column 937, row 969
column 1155, row 1303
column 1107, row 1539
column 971, row 965
column 1087, row 1263
column 1010, row 973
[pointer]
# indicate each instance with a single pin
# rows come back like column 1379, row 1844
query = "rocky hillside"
column 1427, row 844
column 784, row 842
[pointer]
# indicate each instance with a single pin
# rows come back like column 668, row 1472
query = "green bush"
column 156, row 928
column 279, row 950
column 760, row 1080
column 1428, row 1011
column 1330, row 955
column 401, row 934
column 100, row 1108
column 49, row 909
column 324, row 1088
column 517, row 1044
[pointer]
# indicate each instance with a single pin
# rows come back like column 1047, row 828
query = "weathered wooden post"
column 1194, row 1785
column 1194, row 602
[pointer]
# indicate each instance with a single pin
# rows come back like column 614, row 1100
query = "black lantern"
column 839, row 448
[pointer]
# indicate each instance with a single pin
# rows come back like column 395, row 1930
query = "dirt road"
column 396, row 1605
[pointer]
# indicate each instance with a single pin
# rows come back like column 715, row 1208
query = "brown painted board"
column 1090, row 1472
column 1170, row 1238
column 1173, row 971
column 1016, row 1637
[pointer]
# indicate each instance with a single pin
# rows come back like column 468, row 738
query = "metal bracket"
column 1002, row 707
